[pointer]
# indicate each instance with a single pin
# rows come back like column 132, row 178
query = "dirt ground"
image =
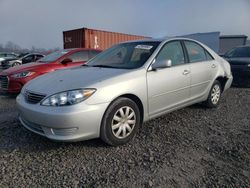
column 192, row 147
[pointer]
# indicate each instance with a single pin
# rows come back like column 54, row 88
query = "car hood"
column 239, row 60
column 73, row 78
column 22, row 68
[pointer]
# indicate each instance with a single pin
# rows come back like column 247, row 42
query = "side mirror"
column 162, row 64
column 66, row 61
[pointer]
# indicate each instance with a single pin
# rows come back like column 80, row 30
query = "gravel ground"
column 192, row 147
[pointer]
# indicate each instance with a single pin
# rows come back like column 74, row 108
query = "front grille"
column 4, row 82
column 32, row 97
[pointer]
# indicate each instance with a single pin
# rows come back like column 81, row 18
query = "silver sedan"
column 121, row 88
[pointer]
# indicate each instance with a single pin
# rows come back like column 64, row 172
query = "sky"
column 40, row 23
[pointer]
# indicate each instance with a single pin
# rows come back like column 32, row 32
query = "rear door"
column 169, row 87
column 202, row 65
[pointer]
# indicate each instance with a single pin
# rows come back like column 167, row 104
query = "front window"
column 28, row 58
column 53, row 56
column 125, row 56
column 172, row 51
column 239, row 52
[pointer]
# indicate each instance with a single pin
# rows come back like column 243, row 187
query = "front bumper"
column 68, row 123
column 14, row 86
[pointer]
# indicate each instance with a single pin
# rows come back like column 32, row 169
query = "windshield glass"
column 22, row 55
column 53, row 56
column 239, row 52
column 125, row 56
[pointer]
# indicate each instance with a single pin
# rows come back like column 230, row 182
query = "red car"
column 13, row 79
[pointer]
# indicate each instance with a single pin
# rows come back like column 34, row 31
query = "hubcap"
column 215, row 95
column 123, row 122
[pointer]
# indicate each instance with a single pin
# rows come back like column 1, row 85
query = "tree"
column 12, row 47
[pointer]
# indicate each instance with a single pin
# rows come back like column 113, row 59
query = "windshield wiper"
column 105, row 66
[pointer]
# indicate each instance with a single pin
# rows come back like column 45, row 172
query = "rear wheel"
column 120, row 122
column 214, row 95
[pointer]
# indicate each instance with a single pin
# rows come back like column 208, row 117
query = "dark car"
column 239, row 59
column 22, row 59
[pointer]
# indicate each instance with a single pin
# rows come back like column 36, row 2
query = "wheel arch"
column 223, row 81
column 137, row 101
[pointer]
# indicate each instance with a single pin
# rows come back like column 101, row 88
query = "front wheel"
column 120, row 122
column 214, row 95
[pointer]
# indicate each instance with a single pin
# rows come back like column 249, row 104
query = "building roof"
column 233, row 36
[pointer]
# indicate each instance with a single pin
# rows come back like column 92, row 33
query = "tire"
column 119, row 128
column 214, row 96
column 15, row 64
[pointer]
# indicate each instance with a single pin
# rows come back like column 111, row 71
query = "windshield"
column 125, row 56
column 53, row 56
column 239, row 52
column 22, row 55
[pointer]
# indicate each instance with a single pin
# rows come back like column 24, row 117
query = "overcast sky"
column 40, row 22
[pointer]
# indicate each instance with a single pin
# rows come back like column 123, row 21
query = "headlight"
column 68, row 97
column 22, row 74
column 248, row 65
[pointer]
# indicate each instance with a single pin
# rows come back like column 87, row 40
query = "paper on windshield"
column 144, row 47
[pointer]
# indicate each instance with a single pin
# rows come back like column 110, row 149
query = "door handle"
column 185, row 72
column 213, row 65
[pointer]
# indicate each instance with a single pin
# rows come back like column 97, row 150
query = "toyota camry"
column 122, row 87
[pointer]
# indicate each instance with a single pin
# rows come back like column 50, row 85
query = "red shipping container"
column 97, row 39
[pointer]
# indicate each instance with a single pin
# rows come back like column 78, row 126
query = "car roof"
column 160, row 39
column 79, row 49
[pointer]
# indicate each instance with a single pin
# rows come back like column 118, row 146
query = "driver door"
column 169, row 87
